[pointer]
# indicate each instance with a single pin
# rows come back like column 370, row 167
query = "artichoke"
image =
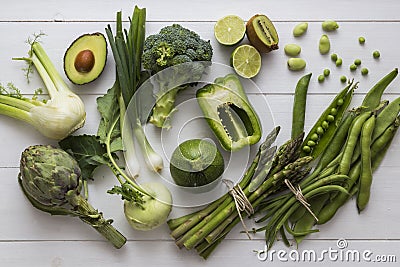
column 51, row 180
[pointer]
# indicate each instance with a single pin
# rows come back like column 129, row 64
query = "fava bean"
column 292, row 50
column 300, row 29
column 329, row 25
column 299, row 106
column 374, row 95
column 324, row 44
column 365, row 179
column 296, row 63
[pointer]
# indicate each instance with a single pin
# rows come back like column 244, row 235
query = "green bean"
column 308, row 221
column 373, row 97
column 324, row 129
column 352, row 138
column 299, row 106
column 366, row 170
column 293, row 233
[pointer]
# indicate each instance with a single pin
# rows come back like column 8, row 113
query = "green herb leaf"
column 108, row 107
column 127, row 193
column 88, row 152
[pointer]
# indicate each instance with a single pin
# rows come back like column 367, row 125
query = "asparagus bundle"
column 205, row 229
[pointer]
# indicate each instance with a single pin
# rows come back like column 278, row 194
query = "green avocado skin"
column 196, row 163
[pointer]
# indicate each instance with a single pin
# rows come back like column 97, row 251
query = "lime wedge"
column 229, row 30
column 246, row 61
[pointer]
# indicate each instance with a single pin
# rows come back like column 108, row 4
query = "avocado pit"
column 84, row 61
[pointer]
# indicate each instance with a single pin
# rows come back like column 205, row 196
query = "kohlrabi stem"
column 115, row 165
column 131, row 159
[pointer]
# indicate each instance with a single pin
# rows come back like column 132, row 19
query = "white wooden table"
column 29, row 237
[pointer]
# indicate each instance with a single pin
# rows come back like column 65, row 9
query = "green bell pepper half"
column 229, row 113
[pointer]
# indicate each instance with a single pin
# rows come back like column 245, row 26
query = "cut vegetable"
column 246, row 61
column 262, row 33
column 229, row 30
column 85, row 59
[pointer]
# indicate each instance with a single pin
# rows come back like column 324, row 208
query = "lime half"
column 229, row 30
column 246, row 61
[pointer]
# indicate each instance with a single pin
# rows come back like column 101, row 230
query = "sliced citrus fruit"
column 229, row 30
column 246, row 60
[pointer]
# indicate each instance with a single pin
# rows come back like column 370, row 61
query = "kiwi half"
column 262, row 34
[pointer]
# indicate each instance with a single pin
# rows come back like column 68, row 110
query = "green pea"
column 325, row 125
column 340, row 102
column 306, row 149
column 376, row 54
column 324, row 44
column 300, row 29
column 361, row 40
column 329, row 25
column 326, row 72
column 353, row 67
column 330, row 118
column 333, row 111
column 343, row 79
column 339, row 62
column 296, row 63
column 292, row 50
column 320, row 130
column 321, row 78
column 364, row 71
column 334, row 57
column 311, row 143
column 357, row 62
column 314, row 137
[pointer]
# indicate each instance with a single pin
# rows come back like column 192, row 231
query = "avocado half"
column 85, row 58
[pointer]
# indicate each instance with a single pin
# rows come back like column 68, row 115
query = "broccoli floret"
column 173, row 41
column 172, row 46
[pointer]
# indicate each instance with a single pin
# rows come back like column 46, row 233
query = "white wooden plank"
column 274, row 78
column 159, row 253
column 204, row 10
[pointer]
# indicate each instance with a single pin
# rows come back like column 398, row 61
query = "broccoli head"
column 174, row 45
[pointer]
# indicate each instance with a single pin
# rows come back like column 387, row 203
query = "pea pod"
column 335, row 146
column 374, row 95
column 364, row 191
column 299, row 106
column 338, row 107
